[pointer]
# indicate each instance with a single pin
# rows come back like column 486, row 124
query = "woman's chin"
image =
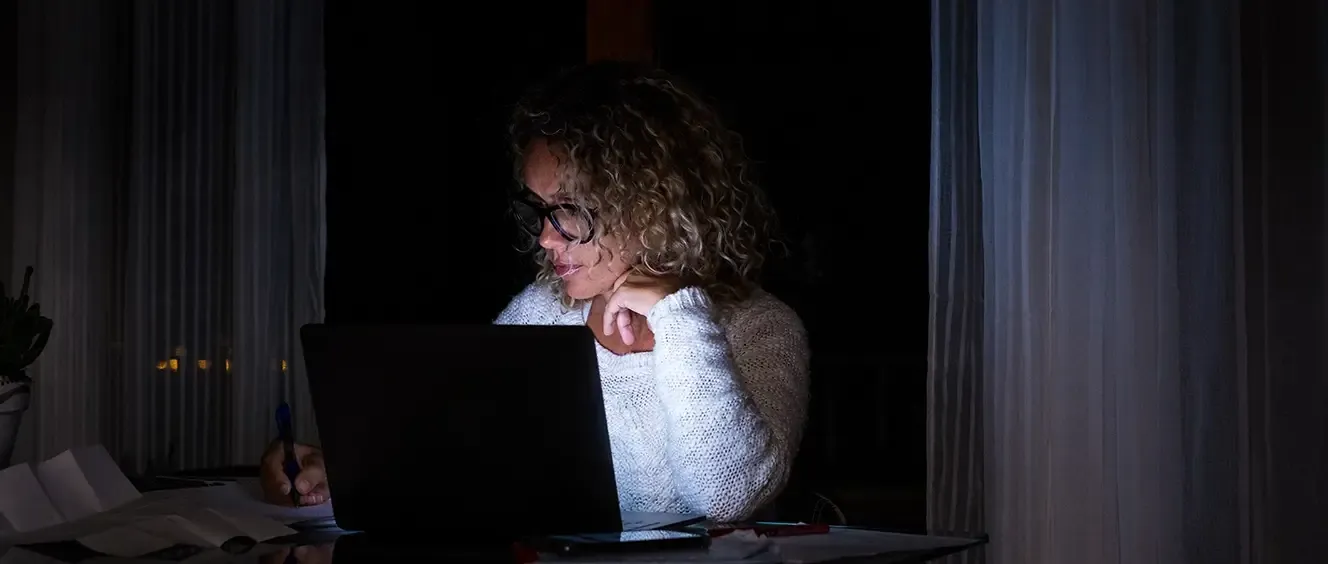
column 575, row 291
column 578, row 288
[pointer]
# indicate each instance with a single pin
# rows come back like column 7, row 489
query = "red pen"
column 521, row 554
column 774, row 530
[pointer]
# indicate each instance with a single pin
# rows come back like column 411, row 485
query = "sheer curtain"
column 169, row 191
column 954, row 375
column 1129, row 200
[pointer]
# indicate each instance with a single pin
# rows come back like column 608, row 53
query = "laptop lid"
column 479, row 430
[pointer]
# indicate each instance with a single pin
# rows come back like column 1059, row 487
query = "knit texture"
column 710, row 420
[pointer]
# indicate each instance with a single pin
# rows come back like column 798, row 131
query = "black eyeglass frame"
column 546, row 213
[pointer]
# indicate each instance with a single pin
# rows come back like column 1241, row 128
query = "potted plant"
column 23, row 335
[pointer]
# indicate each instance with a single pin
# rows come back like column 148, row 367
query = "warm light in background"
column 173, row 364
column 283, row 366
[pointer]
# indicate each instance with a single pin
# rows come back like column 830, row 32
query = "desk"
column 330, row 545
column 841, row 543
column 336, row 547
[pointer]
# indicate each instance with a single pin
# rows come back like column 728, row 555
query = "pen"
column 290, row 464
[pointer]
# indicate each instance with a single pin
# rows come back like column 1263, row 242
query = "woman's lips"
column 565, row 270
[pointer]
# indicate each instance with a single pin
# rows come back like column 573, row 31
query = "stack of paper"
column 75, row 484
column 81, row 495
column 193, row 527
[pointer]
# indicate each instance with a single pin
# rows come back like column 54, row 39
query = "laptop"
column 485, row 432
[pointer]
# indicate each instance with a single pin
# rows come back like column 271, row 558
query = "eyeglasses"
column 571, row 221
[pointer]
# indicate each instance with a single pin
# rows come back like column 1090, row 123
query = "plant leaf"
column 43, row 335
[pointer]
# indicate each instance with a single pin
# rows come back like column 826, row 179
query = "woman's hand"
column 311, row 483
column 634, row 293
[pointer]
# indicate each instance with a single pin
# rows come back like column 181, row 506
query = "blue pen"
column 290, row 464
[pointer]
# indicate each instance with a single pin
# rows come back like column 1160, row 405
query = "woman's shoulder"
column 536, row 304
column 762, row 311
column 764, row 330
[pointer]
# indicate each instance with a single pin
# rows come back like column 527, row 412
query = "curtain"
column 1133, row 194
column 65, row 143
column 954, row 371
column 169, row 191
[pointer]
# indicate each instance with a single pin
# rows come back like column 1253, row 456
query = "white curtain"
column 1129, row 201
column 954, row 360
column 169, row 191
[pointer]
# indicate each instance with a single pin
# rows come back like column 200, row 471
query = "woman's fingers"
column 625, row 326
column 311, row 483
column 320, row 494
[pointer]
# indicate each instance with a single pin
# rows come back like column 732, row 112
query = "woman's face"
column 587, row 269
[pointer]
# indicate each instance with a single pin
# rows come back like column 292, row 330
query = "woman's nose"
column 549, row 237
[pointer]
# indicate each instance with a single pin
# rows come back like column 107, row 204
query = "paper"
column 125, row 542
column 20, row 555
column 198, row 529
column 646, row 521
column 81, row 495
column 207, row 517
column 203, row 527
column 85, row 481
column 245, row 497
column 258, row 528
column 24, row 505
column 71, row 486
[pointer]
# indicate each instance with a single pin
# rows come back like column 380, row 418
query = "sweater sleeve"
column 734, row 404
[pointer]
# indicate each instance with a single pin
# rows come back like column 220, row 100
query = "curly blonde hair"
column 659, row 170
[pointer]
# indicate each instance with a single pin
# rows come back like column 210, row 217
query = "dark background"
column 833, row 102
column 832, row 99
column 8, row 122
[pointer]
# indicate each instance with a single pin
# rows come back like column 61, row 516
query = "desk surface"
column 332, row 546
column 328, row 545
column 361, row 548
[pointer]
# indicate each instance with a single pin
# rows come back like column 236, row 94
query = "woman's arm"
column 735, row 404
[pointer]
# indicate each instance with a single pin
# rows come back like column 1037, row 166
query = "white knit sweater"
column 708, row 422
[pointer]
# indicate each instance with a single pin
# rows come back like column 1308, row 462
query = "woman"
column 651, row 232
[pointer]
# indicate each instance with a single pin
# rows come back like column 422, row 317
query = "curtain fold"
column 954, row 375
column 65, row 159
column 169, row 189
column 279, row 209
column 177, row 313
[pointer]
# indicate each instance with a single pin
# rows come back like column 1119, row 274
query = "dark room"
column 961, row 281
